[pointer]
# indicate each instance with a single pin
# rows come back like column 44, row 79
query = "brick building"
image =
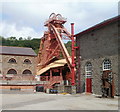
column 17, row 63
column 97, row 53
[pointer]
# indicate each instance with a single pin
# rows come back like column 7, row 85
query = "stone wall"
column 66, row 89
column 97, row 73
column 96, row 46
column 99, row 43
column 19, row 66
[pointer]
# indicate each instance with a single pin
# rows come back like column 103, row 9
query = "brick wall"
column 17, row 87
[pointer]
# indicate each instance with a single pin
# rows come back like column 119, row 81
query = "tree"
column 32, row 43
column 28, row 38
column 12, row 38
column 20, row 38
column 69, row 46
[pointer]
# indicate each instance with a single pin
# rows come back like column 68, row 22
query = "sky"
column 24, row 18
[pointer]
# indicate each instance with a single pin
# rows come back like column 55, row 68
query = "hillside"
column 32, row 43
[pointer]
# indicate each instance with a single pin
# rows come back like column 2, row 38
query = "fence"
column 23, row 77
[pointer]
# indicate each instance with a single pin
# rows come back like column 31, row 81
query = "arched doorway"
column 88, row 77
column 27, row 75
column 12, row 71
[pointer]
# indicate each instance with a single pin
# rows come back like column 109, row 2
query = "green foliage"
column 13, row 41
column 68, row 46
column 29, row 42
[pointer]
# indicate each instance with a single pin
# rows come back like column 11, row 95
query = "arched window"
column 12, row 71
column 27, row 72
column 27, row 61
column 88, row 69
column 106, row 65
column 12, row 60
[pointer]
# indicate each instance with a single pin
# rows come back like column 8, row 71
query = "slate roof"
column 104, row 23
column 23, row 51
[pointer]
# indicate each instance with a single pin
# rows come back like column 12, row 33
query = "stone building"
column 17, row 63
column 97, row 53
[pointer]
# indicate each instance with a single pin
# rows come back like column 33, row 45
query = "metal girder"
column 62, row 46
column 52, row 45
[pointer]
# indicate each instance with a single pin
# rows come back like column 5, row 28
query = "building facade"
column 17, row 63
column 97, row 54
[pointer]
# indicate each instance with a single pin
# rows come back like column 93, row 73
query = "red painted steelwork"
column 52, row 46
column 73, row 54
column 51, row 43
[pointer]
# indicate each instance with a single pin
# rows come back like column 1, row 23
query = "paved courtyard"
column 27, row 100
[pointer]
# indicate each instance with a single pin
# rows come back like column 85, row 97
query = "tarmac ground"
column 28, row 100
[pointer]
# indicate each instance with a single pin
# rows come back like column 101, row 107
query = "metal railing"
column 23, row 77
column 18, row 82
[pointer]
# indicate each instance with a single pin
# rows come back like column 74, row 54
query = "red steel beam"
column 73, row 54
column 62, row 46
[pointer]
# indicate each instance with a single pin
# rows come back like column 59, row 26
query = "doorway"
column 88, row 77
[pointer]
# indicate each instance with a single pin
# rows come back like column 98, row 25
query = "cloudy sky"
column 23, row 18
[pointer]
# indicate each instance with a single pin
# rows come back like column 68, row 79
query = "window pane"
column 12, row 60
column 107, row 65
column 88, row 69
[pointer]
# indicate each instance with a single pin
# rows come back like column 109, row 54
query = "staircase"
column 51, row 82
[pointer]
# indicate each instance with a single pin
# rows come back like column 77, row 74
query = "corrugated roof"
column 106, row 22
column 58, row 63
column 17, row 51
